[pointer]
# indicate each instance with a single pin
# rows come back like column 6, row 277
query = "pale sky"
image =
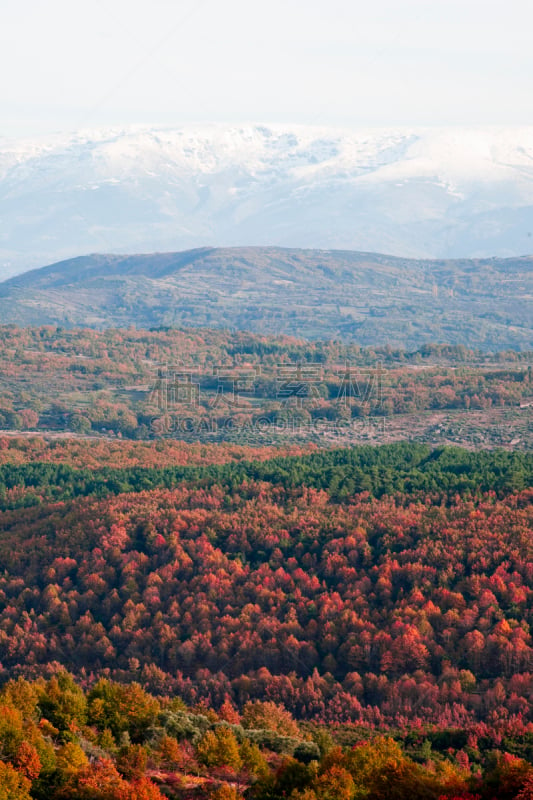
column 66, row 65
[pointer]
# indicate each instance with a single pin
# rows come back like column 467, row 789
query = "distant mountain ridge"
column 317, row 294
column 419, row 193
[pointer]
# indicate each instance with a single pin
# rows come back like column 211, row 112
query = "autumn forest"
column 274, row 600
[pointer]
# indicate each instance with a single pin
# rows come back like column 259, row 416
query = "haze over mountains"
column 316, row 294
column 432, row 193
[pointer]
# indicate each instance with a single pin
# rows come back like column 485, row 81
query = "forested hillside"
column 324, row 579
column 239, row 619
column 215, row 619
column 119, row 742
column 369, row 298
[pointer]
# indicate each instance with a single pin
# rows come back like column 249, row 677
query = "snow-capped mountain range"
column 435, row 193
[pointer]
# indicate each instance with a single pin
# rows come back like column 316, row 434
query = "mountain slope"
column 369, row 298
column 427, row 193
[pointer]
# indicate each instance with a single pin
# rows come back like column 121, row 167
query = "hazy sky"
column 67, row 64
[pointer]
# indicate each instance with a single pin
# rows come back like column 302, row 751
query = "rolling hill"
column 363, row 297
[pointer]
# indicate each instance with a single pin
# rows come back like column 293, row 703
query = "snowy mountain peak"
column 420, row 193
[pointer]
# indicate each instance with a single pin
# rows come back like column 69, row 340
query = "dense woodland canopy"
column 404, row 468
column 343, row 583
column 233, row 616
column 95, row 453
